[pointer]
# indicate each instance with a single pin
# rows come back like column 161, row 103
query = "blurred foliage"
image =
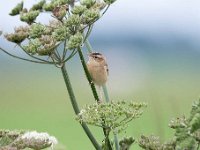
column 186, row 136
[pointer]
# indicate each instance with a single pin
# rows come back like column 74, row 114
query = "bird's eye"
column 95, row 57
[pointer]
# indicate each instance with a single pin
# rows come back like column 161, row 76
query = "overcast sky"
column 146, row 16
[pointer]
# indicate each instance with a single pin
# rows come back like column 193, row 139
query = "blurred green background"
column 153, row 56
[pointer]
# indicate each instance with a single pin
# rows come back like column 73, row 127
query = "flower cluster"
column 112, row 116
column 7, row 137
column 14, row 140
column 20, row 34
column 126, row 143
column 152, row 142
column 187, row 133
column 35, row 140
column 69, row 24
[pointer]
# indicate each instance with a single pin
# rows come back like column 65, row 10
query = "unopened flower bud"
column 32, row 47
column 38, row 6
column 73, row 20
column 88, row 3
column 75, row 41
column 48, row 45
column 78, row 10
column 20, row 34
column 29, row 17
column 61, row 33
column 99, row 5
column 17, row 9
column 89, row 16
column 36, row 30
column 48, row 7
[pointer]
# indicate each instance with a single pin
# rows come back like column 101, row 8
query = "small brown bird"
column 98, row 69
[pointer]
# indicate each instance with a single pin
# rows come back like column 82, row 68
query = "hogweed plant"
column 55, row 44
column 58, row 42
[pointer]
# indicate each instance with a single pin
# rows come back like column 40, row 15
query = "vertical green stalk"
column 94, row 91
column 76, row 108
column 105, row 91
column 117, row 147
column 89, row 47
column 107, row 141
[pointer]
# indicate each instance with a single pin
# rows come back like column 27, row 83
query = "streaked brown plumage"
column 98, row 68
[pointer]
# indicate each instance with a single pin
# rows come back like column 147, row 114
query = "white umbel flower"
column 37, row 140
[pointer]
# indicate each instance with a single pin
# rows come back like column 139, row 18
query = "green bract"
column 17, row 9
column 75, row 41
column 30, row 16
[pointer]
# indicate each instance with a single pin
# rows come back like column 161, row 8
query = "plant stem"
column 107, row 141
column 89, row 47
column 117, row 147
column 21, row 58
column 94, row 91
column 105, row 91
column 76, row 108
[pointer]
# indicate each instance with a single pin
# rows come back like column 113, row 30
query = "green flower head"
column 38, row 6
column 88, row 3
column 61, row 33
column 90, row 16
column 48, row 45
column 75, row 41
column 17, row 9
column 36, row 30
column 20, row 34
column 33, row 46
column 30, row 16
